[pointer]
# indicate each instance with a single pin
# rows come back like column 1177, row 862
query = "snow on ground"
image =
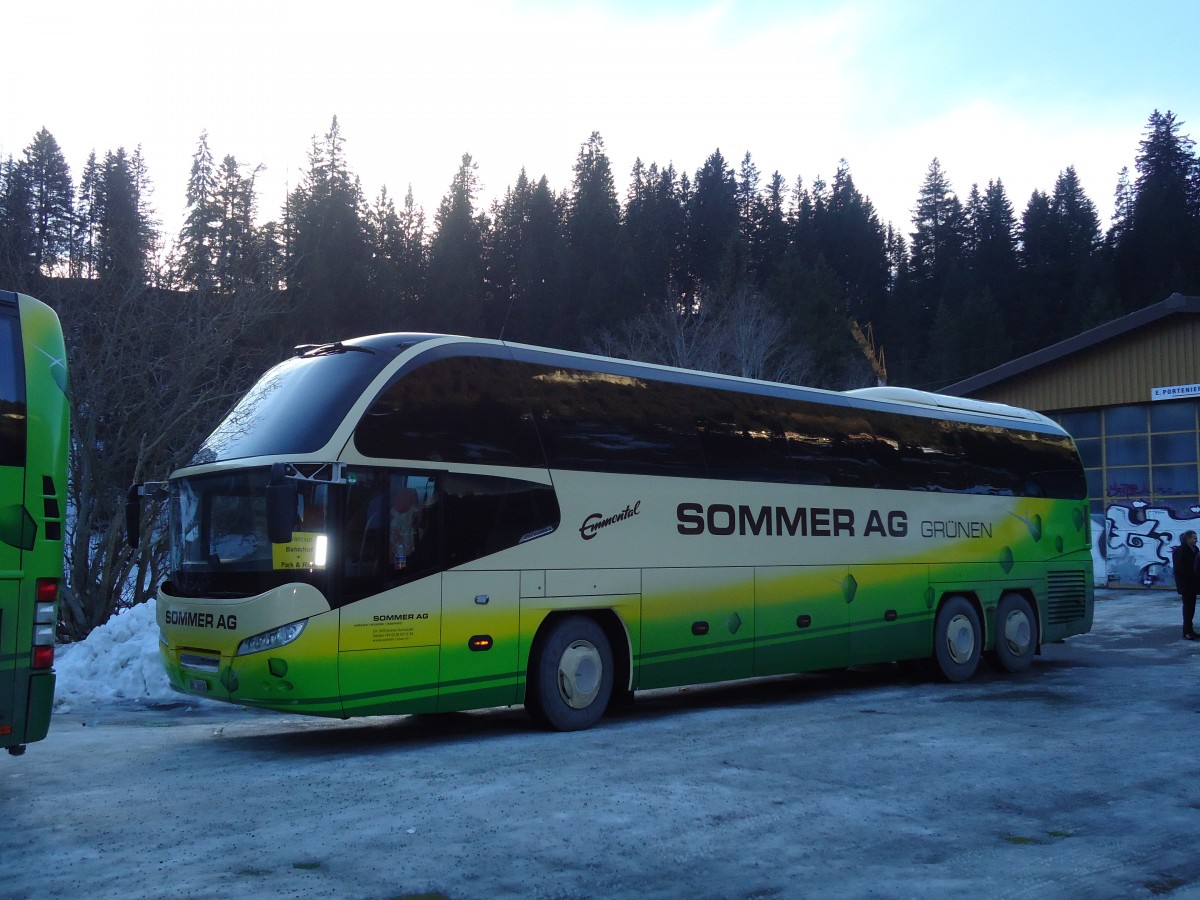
column 118, row 661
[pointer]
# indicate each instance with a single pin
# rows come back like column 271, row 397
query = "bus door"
column 390, row 626
column 483, row 517
column 480, row 635
column 801, row 617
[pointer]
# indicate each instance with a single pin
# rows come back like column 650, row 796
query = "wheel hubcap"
column 1017, row 633
column 960, row 639
column 579, row 673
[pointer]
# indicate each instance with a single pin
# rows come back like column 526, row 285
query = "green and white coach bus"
column 34, row 418
column 415, row 523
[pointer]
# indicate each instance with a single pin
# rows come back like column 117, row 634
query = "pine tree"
column 714, row 226
column 993, row 264
column 1077, row 217
column 414, row 259
column 124, row 235
column 51, row 197
column 397, row 269
column 598, row 260
column 244, row 256
column 1159, row 253
column 196, row 253
column 769, row 241
column 940, row 230
column 89, row 207
column 749, row 200
column 938, row 281
column 455, row 294
column 1122, row 220
column 327, row 249
column 850, row 241
column 1061, row 267
column 526, row 263
column 383, row 275
column 18, row 258
column 654, row 222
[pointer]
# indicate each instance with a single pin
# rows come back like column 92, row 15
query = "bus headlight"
column 270, row 640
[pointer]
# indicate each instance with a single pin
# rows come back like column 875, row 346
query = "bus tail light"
column 44, row 619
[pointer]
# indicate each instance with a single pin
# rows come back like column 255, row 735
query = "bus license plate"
column 198, row 684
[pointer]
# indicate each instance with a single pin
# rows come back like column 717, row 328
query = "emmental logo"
column 596, row 521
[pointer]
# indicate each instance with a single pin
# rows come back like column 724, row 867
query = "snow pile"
column 118, row 661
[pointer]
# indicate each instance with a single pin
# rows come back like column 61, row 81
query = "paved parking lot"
column 1075, row 779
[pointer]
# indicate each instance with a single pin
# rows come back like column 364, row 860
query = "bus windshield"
column 219, row 543
column 296, row 406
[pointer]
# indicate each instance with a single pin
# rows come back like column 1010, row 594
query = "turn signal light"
column 480, row 642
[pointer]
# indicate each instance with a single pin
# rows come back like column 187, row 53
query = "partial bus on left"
column 34, row 425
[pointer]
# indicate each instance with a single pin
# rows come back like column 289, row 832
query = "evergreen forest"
column 724, row 268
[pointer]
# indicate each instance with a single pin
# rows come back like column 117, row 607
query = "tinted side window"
column 392, row 530
column 458, row 409
column 484, row 515
column 742, row 437
column 614, row 423
column 12, row 391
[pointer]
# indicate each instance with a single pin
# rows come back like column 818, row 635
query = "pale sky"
column 1015, row 90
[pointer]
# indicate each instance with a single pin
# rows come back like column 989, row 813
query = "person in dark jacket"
column 1185, row 559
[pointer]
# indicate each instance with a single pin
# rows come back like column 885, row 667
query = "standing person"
column 1186, row 561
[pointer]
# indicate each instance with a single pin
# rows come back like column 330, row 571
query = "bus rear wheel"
column 957, row 639
column 1016, row 633
column 571, row 678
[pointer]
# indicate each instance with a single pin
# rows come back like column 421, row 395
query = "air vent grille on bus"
column 1066, row 594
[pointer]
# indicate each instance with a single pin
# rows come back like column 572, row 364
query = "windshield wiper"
column 310, row 350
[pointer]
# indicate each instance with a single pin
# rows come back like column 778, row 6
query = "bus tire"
column 571, row 678
column 1016, row 633
column 957, row 639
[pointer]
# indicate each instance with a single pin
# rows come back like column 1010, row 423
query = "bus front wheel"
column 957, row 639
column 571, row 678
column 1016, row 633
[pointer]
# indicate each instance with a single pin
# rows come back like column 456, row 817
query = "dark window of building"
column 1127, row 450
column 1129, row 482
column 1091, row 451
column 1125, row 419
column 1146, row 453
column 1082, row 424
column 1178, row 415
column 1175, row 481
column 1176, row 447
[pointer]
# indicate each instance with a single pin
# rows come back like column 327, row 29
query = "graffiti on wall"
column 1131, row 545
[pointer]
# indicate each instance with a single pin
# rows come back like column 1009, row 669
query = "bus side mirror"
column 133, row 516
column 156, row 491
column 281, row 506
